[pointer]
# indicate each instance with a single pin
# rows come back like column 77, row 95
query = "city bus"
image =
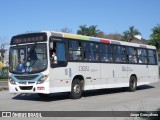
column 52, row 62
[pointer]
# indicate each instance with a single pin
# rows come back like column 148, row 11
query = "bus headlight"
column 12, row 81
column 42, row 79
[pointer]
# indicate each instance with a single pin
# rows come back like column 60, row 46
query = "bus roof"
column 102, row 40
column 89, row 38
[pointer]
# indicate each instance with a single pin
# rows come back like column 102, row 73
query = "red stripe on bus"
column 105, row 41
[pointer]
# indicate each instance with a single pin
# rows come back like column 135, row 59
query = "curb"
column 4, row 81
column 3, row 88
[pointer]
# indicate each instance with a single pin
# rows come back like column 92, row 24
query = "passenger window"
column 142, row 56
column 106, row 53
column 75, row 50
column 61, row 51
column 91, row 51
column 132, row 55
column 119, row 54
column 57, row 53
column 152, row 57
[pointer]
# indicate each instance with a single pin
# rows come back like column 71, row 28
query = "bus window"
column 142, row 55
column 61, row 51
column 123, row 54
column 28, row 58
column 106, row 53
column 57, row 54
column 119, row 54
column 151, row 57
column 22, row 55
column 117, row 58
column 132, row 55
column 75, row 50
column 91, row 51
column 53, row 52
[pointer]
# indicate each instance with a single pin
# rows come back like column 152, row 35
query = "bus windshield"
column 28, row 58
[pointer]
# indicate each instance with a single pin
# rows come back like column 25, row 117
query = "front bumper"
column 29, row 88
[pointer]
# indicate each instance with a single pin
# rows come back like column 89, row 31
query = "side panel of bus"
column 114, row 75
column 141, row 73
column 61, row 78
column 153, row 73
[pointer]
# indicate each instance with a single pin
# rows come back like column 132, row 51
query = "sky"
column 110, row 16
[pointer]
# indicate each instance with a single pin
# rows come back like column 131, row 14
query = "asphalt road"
column 146, row 98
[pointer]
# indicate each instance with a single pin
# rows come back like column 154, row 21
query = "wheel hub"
column 77, row 89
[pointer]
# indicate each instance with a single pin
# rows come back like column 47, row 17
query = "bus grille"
column 26, row 83
column 26, row 87
column 32, row 77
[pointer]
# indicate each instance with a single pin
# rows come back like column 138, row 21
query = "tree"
column 90, row 31
column 1, row 65
column 129, row 34
column 155, row 37
column 83, row 30
column 2, row 50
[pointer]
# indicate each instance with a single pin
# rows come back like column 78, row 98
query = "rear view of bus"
column 28, row 64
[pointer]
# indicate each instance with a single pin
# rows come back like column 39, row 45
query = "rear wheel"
column 76, row 90
column 132, row 84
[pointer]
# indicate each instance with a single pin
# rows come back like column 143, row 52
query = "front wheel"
column 132, row 84
column 76, row 89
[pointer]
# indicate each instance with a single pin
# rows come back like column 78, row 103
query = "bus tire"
column 76, row 89
column 43, row 95
column 132, row 84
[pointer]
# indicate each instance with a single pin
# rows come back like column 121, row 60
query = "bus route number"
column 83, row 68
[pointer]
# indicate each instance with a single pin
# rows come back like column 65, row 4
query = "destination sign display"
column 28, row 38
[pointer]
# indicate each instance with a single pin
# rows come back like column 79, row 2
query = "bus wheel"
column 76, row 90
column 43, row 95
column 132, row 84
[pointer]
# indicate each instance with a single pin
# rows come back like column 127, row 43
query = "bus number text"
column 83, row 68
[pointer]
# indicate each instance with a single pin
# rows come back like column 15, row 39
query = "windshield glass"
column 28, row 59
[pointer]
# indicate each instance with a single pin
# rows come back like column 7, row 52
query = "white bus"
column 50, row 62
